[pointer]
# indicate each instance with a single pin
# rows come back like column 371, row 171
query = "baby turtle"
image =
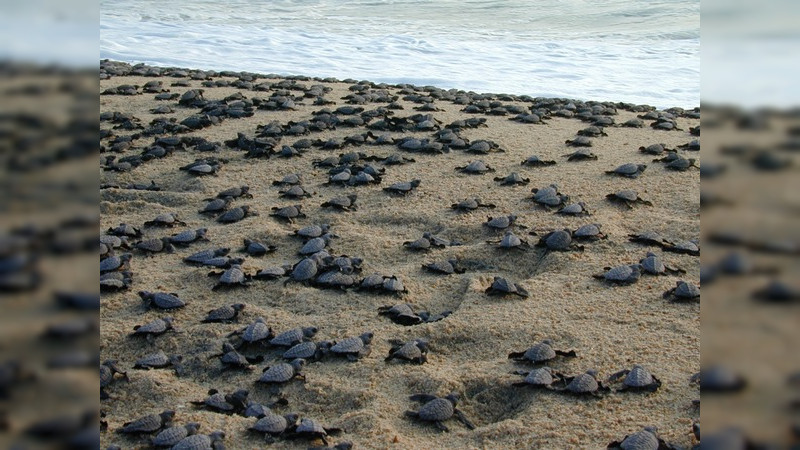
column 290, row 179
column 690, row 247
column 719, row 379
column 154, row 328
column 777, row 291
column 542, row 377
column 510, row 241
column 681, row 164
column 644, row 439
column 581, row 154
column 592, row 131
column 589, row 232
column 283, row 372
column 107, row 372
column 311, row 429
column 304, row 271
column 512, row 179
column 274, row 425
column 161, row 300
column 115, row 263
column 295, row 191
column 584, row 384
column 540, row 352
column 624, row 274
column 234, row 276
column 424, row 243
column 649, row 238
column 353, row 348
column 216, row 206
column 312, row 231
column 476, row 167
column 654, row 265
column 155, row 245
column 504, row 286
column 235, row 192
column 232, row 359
column 549, row 196
column 683, row 292
column 204, row 255
column 148, row 424
column 404, row 314
column 344, row 203
column 579, row 141
column 224, row 314
column 636, row 379
column 471, row 204
column 189, row 236
column 212, row 441
column 256, row 332
column 236, row 214
column 255, row 248
column 627, row 197
column 414, row 351
column 294, row 336
column 310, row 351
column 123, row 229
column 558, row 240
column 224, row 403
column 172, row 435
column 500, row 223
column 159, row 360
column 288, row 213
column 629, row 170
column 438, row 409
column 165, row 220
column 535, row 161
column 574, row 209
column 403, row 187
column 653, row 149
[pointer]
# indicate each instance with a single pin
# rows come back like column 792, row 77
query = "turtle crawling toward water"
column 288, row 213
column 644, row 439
column 311, row 429
column 510, row 241
column 654, row 265
column 584, row 384
column 274, row 425
column 549, row 196
column 535, row 161
column 636, row 379
column 353, row 348
column 683, row 292
column 403, row 187
column 624, row 274
column 503, row 286
column 343, row 203
column 414, row 351
column 234, row 276
column 500, row 223
column 404, row 314
column 476, row 167
column 628, row 197
column 581, row 154
column 540, row 352
column 512, row 179
column 436, row 410
column 471, row 204
column 629, row 170
column 588, row 232
column 579, row 141
column 558, row 240
column 542, row 377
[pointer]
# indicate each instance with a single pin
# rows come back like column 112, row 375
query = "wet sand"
column 610, row 327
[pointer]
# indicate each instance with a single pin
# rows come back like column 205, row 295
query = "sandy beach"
column 610, row 327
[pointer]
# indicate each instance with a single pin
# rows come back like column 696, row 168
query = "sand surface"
column 610, row 328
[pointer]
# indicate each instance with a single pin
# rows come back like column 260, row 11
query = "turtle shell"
column 408, row 351
column 312, row 231
column 163, row 300
column 638, row 377
column 293, row 336
column 587, row 231
column 313, row 246
column 302, row 350
column 510, row 240
column 503, row 285
column 311, row 426
column 228, row 312
column 304, row 270
column 156, row 326
column 203, row 255
column 256, row 331
column 574, row 208
column 652, row 263
column 436, row 410
column 641, row 440
column 686, row 290
column 233, row 358
column 558, row 240
column 393, row 284
column 233, row 215
column 476, row 166
column 234, row 275
column 188, row 236
column 158, row 359
column 499, row 222
column 349, row 345
column 271, row 423
column 542, row 376
column 279, row 373
column 194, row 442
column 149, row 423
column 173, row 435
column 583, row 383
column 623, row 273
column 627, row 195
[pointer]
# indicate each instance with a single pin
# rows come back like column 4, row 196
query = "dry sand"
column 611, row 328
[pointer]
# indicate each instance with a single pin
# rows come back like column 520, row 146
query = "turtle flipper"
column 463, row 419
column 441, row 426
column 422, row 398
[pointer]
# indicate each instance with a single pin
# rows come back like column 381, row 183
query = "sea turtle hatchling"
column 581, row 154
column 295, row 191
column 172, row 435
column 558, row 240
column 216, row 206
column 438, row 409
column 273, row 425
column 649, row 238
column 512, row 179
column 343, row 203
column 535, row 161
column 220, row 402
column 311, row 429
column 645, row 439
column 579, row 141
column 653, row 264
column 154, row 328
column 628, row 197
column 308, row 350
column 681, row 164
column 256, row 332
column 165, row 220
column 224, row 314
column 584, row 384
column 211, row 441
column 476, row 167
column 256, row 248
column 637, row 378
column 471, row 204
column 501, row 222
column 294, row 336
column 159, row 360
column 629, row 170
column 161, row 300
column 231, row 277
column 414, row 351
column 402, row 187
column 719, row 379
column 542, row 377
column 204, row 255
column 312, row 231
column 303, row 272
column 654, row 149
column 689, row 247
column 683, row 292
column 188, row 236
column 503, row 286
column 236, row 214
column 592, row 131
column 283, row 372
column 588, row 232
column 404, row 314
column 426, row 242
column 624, row 274
column 157, row 245
column 549, row 196
column 148, row 424
column 574, row 209
column 353, row 348
column 108, row 370
column 540, row 352
column 510, row 241
column 288, row 213
column 232, row 359
column 115, row 263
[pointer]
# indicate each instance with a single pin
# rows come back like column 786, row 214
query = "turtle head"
column 547, row 342
column 228, row 347
column 453, row 397
column 422, row 344
column 192, row 427
column 144, row 294
column 201, row 232
column 217, row 436
column 367, row 337
column 222, row 251
column 415, row 183
column 237, row 262
column 651, row 429
column 292, row 418
column 238, row 306
column 167, row 415
column 309, row 332
column 168, row 320
column 592, row 372
column 298, row 364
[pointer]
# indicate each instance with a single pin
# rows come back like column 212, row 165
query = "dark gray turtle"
column 627, row 197
column 295, row 191
column 234, row 276
column 624, row 274
column 403, row 187
column 669, row 157
column 581, row 154
column 232, row 359
column 315, row 245
column 311, row 429
column 393, row 285
column 256, row 332
column 404, row 314
column 636, row 379
column 153, row 328
column 212, row 441
column 719, row 379
column 683, row 292
column 535, row 161
column 681, row 164
column 353, row 348
column 475, row 167
column 274, row 425
column 155, row 245
column 510, row 241
column 424, row 243
column 504, row 286
column 256, row 248
column 777, row 291
column 236, row 192
column 108, row 370
column 344, row 203
column 161, row 300
column 690, row 247
column 589, row 232
column 203, row 255
column 172, row 435
column 228, row 313
column 162, row 109
column 574, row 209
column 483, row 146
column 649, row 238
column 500, row 223
column 288, row 213
column 447, row 267
column 592, row 131
column 165, row 220
column 290, row 179
column 549, row 196
column 542, row 377
column 283, row 372
column 654, row 149
column 414, row 351
column 303, row 271
column 148, row 424
column 189, row 236
column 273, row 272
column 579, row 141
column 310, row 351
column 540, row 352
column 294, row 336
column 224, row 403
column 115, row 263
column 629, row 170
column 438, row 409
column 584, row 384
column 654, row 265
column 236, row 214
column 512, row 179
column 558, row 240
column 471, row 204
column 312, row 231
column 124, row 229
column 216, row 206
column 159, row 360
column 644, row 439
column 341, row 178
column 633, row 123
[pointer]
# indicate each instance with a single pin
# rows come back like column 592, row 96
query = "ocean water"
column 645, row 51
